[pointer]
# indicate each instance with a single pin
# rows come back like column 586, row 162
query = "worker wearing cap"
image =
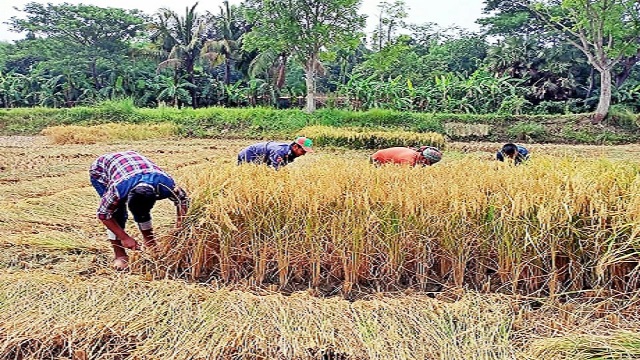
column 128, row 179
column 275, row 154
column 424, row 156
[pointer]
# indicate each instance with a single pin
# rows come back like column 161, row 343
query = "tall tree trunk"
column 605, row 96
column 627, row 66
column 310, row 74
column 194, row 97
column 380, row 32
column 281, row 72
column 94, row 74
column 227, row 70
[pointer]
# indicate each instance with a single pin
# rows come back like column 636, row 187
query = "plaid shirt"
column 120, row 172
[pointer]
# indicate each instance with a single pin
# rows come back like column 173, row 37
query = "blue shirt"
column 271, row 153
column 523, row 154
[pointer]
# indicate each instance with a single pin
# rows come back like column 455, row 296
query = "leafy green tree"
column 606, row 31
column 175, row 90
column 305, row 29
column 85, row 33
column 391, row 18
column 225, row 45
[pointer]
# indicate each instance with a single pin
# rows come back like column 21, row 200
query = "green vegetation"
column 262, row 122
column 526, row 131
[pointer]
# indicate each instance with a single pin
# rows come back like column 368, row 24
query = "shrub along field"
column 620, row 128
column 330, row 259
column 364, row 138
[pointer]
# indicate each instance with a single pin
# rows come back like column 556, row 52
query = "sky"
column 462, row 13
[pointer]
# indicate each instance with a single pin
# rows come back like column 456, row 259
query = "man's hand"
column 130, row 243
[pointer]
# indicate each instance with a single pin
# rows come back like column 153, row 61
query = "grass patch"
column 527, row 131
column 71, row 134
column 259, row 122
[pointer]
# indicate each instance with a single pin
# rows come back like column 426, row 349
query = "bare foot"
column 121, row 263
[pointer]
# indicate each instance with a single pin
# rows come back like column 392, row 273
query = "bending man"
column 275, row 154
column 128, row 179
column 424, row 156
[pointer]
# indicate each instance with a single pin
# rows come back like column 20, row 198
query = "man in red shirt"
column 424, row 156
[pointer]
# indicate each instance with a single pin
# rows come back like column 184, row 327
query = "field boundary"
column 217, row 122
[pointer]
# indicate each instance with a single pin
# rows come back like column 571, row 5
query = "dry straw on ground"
column 47, row 316
column 71, row 134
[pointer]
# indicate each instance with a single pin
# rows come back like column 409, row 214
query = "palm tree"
column 271, row 64
column 181, row 38
column 226, row 48
column 175, row 90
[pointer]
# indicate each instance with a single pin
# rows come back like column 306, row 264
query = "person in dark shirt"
column 514, row 152
column 275, row 154
column 128, row 179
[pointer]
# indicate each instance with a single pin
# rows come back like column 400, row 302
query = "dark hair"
column 509, row 149
column 141, row 201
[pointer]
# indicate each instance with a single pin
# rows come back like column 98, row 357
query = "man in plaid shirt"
column 129, row 179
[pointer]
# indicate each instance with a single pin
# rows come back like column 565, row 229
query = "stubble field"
column 60, row 299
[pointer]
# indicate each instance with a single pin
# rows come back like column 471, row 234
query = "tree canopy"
column 537, row 57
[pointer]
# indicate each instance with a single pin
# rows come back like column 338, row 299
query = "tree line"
column 531, row 57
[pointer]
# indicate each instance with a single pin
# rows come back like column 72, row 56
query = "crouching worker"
column 424, row 156
column 128, row 179
column 275, row 154
column 513, row 152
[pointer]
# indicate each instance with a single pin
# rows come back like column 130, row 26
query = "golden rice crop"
column 554, row 224
column 370, row 139
column 71, row 134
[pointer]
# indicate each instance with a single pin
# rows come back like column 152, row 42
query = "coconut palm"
column 181, row 39
column 225, row 49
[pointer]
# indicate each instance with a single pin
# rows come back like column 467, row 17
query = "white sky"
column 462, row 13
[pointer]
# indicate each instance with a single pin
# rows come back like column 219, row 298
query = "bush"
column 370, row 139
column 527, row 131
column 549, row 108
column 623, row 116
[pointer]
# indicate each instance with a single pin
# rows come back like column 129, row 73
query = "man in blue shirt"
column 514, row 152
column 275, row 154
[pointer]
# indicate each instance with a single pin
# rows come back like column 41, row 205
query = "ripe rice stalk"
column 363, row 138
column 107, row 133
column 343, row 223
